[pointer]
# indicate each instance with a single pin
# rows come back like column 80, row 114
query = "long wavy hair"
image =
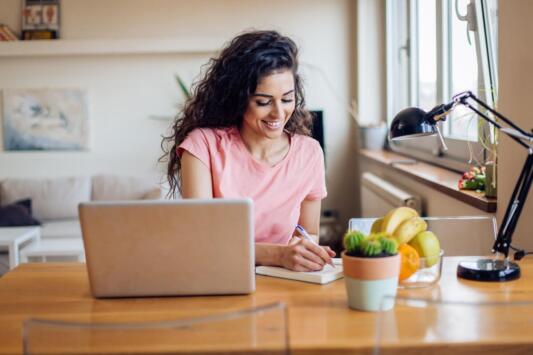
column 220, row 97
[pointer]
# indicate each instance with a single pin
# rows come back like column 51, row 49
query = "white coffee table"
column 50, row 248
column 14, row 237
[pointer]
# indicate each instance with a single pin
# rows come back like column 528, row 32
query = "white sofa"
column 55, row 200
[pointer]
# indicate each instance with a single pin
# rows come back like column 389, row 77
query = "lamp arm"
column 523, row 185
column 462, row 99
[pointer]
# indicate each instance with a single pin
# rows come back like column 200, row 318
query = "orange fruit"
column 410, row 261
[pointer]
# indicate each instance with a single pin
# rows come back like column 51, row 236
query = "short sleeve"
column 197, row 144
column 318, row 188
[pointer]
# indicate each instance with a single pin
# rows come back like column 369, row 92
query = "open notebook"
column 327, row 274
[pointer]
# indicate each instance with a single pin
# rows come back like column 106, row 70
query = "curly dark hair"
column 220, row 97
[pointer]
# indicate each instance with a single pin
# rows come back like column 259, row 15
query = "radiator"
column 379, row 196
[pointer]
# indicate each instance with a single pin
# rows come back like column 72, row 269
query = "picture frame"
column 40, row 19
column 45, row 119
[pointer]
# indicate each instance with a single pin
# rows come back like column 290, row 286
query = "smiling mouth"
column 273, row 124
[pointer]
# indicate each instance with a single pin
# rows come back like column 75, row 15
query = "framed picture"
column 32, row 16
column 40, row 19
column 45, row 119
column 50, row 16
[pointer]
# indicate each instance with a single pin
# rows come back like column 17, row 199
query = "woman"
column 244, row 133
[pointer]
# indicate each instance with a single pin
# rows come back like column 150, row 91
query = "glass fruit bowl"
column 428, row 273
column 458, row 235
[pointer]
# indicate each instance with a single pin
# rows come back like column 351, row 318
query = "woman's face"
column 271, row 106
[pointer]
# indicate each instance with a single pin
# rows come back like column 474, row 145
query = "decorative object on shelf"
column 413, row 122
column 40, row 19
column 490, row 180
column 6, row 34
column 474, row 179
column 45, row 119
column 373, row 137
column 371, row 265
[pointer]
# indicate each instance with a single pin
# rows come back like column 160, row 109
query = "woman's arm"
column 310, row 217
column 195, row 177
column 300, row 254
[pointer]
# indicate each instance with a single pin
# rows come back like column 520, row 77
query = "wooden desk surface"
column 319, row 318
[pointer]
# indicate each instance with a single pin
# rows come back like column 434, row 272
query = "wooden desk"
column 319, row 318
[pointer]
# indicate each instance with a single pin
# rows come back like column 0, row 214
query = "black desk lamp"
column 413, row 122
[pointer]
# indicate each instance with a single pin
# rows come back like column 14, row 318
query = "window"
column 436, row 49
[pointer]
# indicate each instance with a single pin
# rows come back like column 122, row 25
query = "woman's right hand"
column 304, row 255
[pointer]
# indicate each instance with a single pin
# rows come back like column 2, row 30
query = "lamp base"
column 488, row 270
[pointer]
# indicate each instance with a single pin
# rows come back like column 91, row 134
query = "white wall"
column 515, row 94
column 124, row 90
column 371, row 62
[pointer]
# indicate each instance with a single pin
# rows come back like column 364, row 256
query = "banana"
column 376, row 226
column 395, row 217
column 408, row 229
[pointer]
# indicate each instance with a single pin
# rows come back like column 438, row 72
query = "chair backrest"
column 458, row 235
column 420, row 326
column 260, row 329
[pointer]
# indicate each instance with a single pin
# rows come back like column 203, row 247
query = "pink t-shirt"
column 277, row 191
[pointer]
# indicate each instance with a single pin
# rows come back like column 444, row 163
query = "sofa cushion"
column 113, row 187
column 17, row 214
column 53, row 198
column 66, row 228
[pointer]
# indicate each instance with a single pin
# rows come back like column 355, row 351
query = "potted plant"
column 371, row 268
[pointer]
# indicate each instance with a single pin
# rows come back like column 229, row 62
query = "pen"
column 304, row 234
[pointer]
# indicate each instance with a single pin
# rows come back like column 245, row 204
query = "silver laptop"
column 169, row 248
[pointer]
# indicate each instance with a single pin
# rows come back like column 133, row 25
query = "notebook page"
column 326, row 275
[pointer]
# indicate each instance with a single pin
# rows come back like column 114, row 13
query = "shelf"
column 74, row 47
column 438, row 178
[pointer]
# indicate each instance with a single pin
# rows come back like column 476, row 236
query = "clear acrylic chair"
column 458, row 235
column 419, row 326
column 256, row 330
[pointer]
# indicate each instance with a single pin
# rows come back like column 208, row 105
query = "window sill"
column 438, row 178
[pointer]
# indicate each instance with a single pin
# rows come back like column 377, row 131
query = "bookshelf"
column 75, row 47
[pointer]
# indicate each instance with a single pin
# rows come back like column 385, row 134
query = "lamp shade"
column 410, row 123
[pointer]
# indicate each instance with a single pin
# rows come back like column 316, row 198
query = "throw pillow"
column 17, row 214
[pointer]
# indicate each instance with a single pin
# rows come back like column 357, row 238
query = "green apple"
column 427, row 245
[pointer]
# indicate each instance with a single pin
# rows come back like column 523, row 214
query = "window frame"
column 460, row 153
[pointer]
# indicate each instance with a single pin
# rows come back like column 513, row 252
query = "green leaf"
column 182, row 86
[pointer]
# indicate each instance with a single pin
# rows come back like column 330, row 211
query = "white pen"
column 304, row 234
